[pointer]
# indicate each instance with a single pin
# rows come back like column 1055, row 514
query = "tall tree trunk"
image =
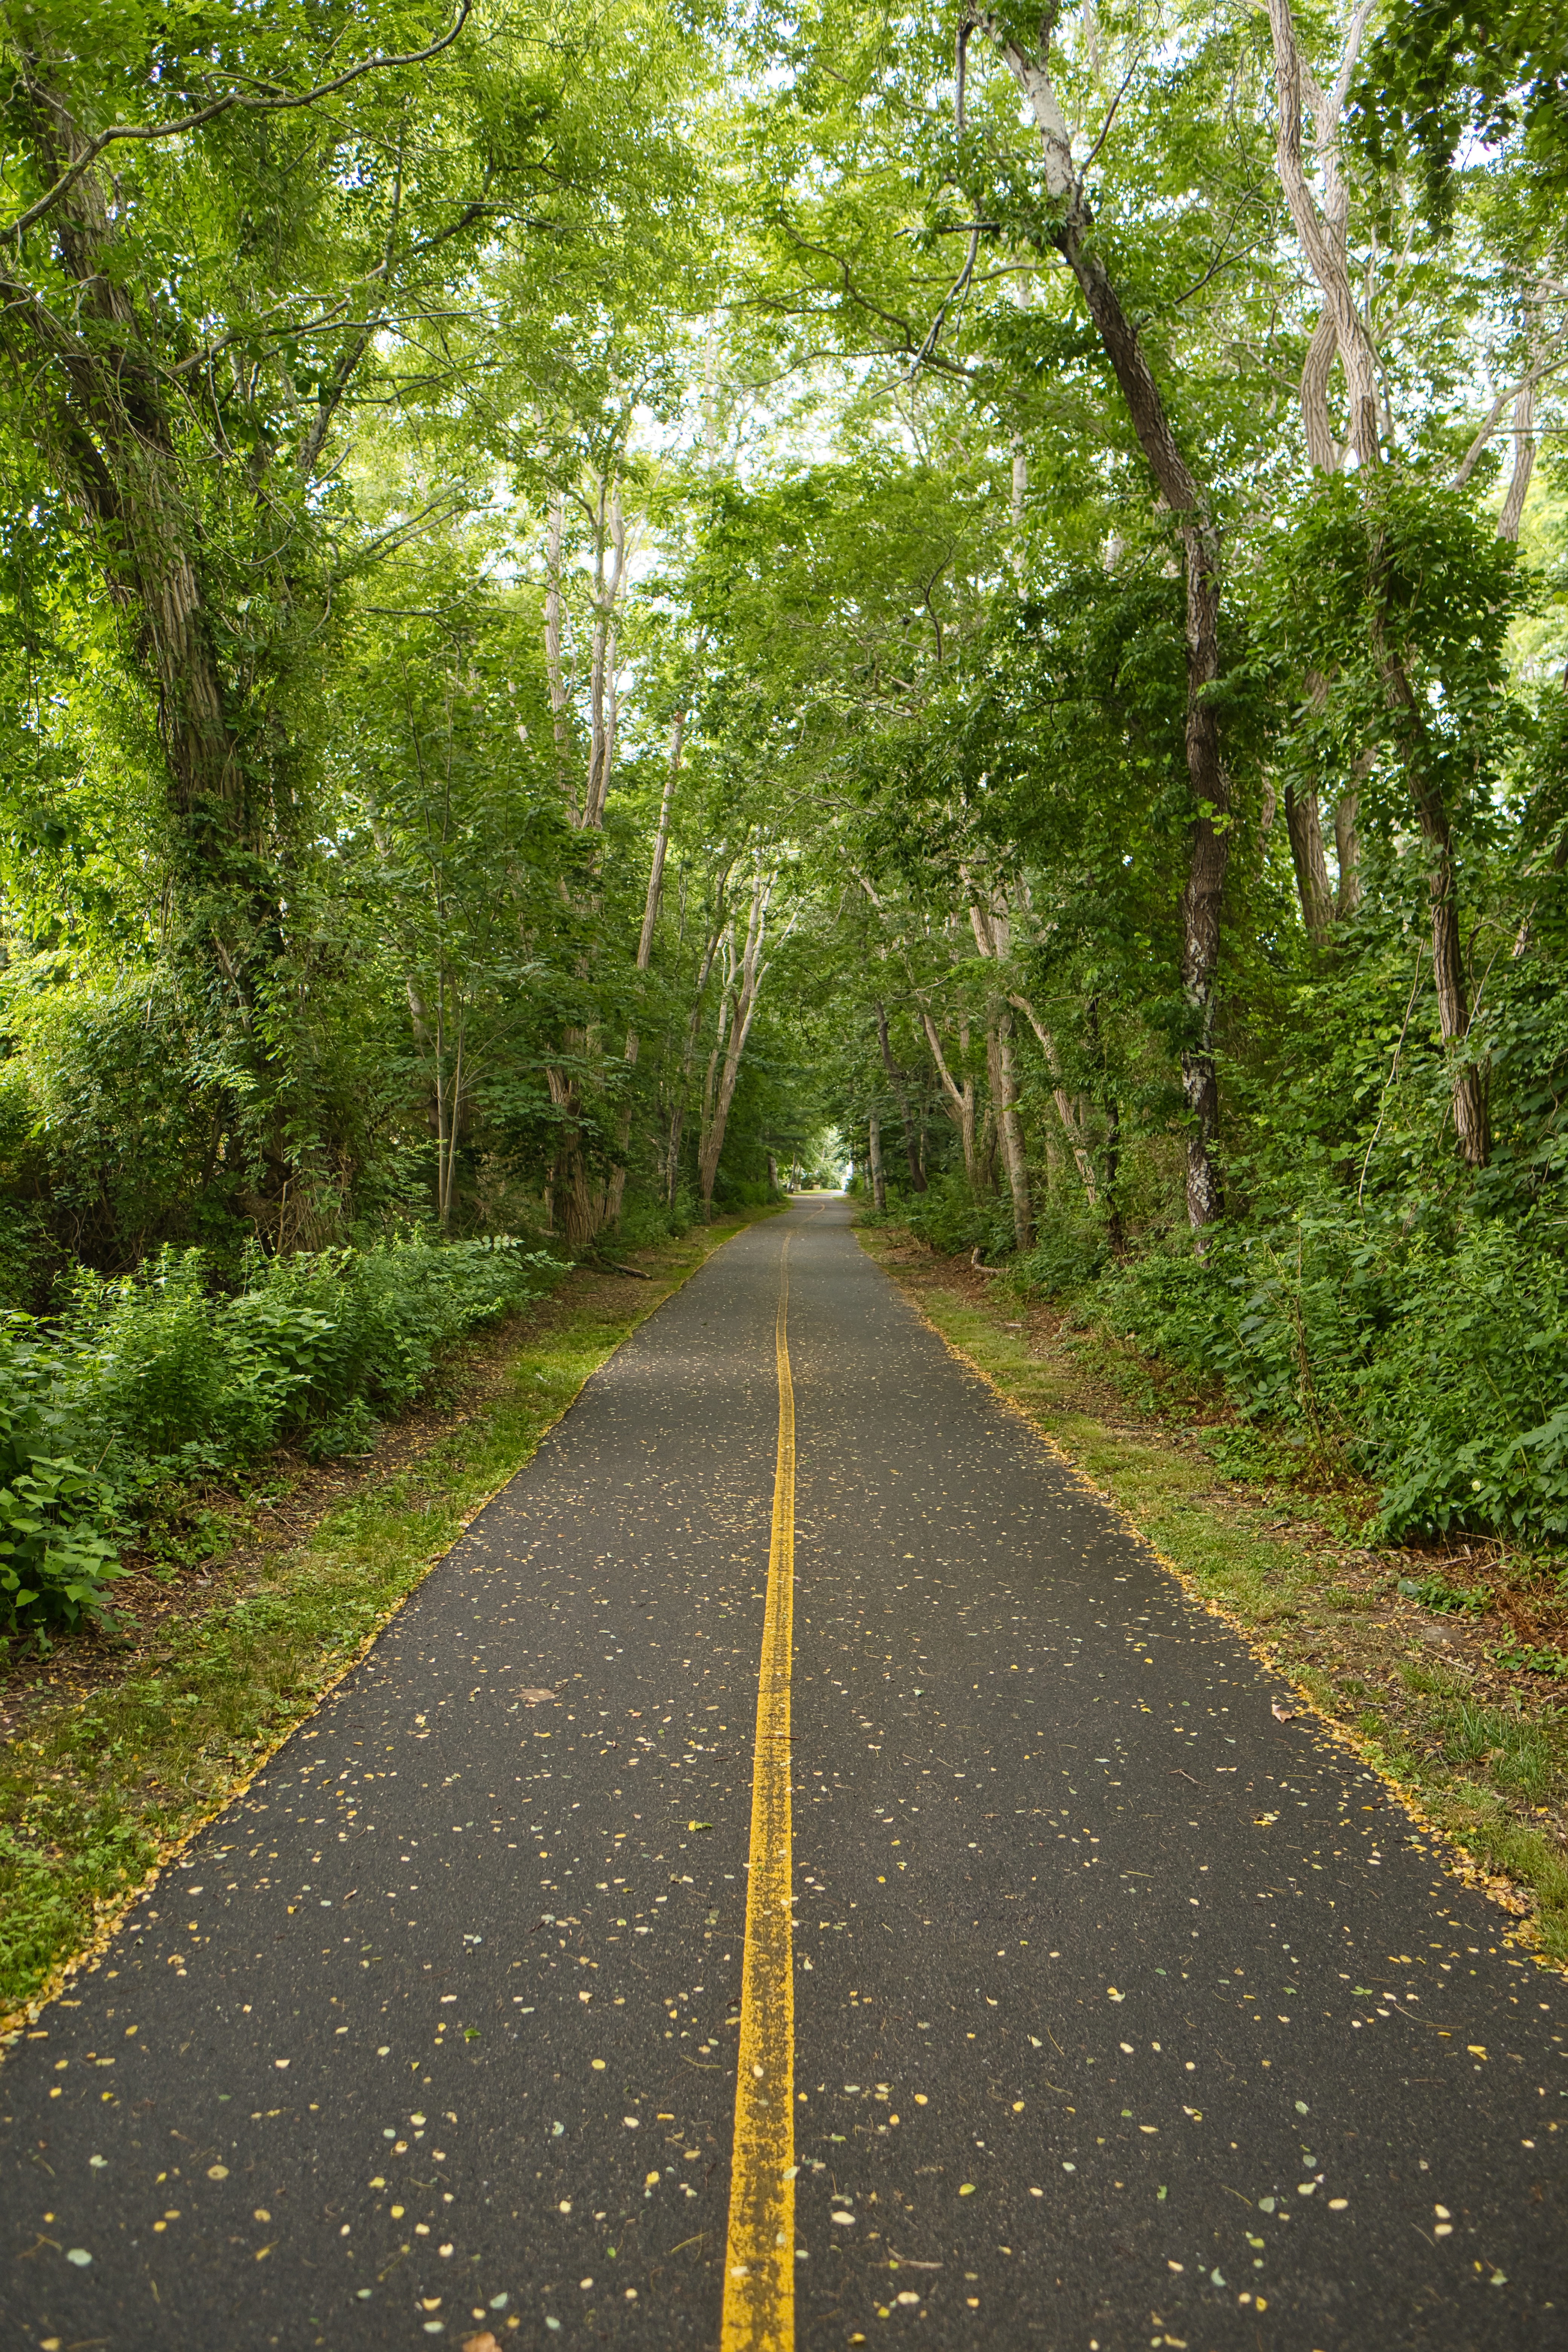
column 615, row 1191
column 1009, row 1127
column 874, row 1158
column 990, row 921
column 1523, row 465
column 1115, row 1230
column 1469, row 1076
column 1347, row 848
column 581, row 1205
column 556, row 660
column 896, row 1080
column 117, row 425
column 705, row 963
column 609, row 578
column 1073, row 1110
column 1072, row 234
column 1304, row 826
column 959, row 1103
column 748, row 981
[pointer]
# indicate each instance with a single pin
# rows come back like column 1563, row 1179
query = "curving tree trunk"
column 1072, row 234
column 117, row 422
column 1342, row 330
column 724, row 1068
column 580, row 1203
column 958, row 1096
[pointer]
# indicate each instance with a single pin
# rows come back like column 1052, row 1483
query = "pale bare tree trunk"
column 1009, row 1127
column 959, row 1104
column 615, row 1191
column 721, row 1038
column 705, row 963
column 568, row 1205
column 1337, row 322
column 555, row 660
column 661, row 845
column 1549, row 356
column 1323, row 245
column 1523, row 464
column 1321, row 231
column 609, row 578
column 580, row 1205
column 874, row 1156
column 1020, row 493
column 992, row 926
column 747, row 985
column 1073, row 1110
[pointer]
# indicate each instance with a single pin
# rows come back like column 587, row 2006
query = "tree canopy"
column 603, row 613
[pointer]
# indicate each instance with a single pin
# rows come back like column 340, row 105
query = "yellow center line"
column 759, row 2257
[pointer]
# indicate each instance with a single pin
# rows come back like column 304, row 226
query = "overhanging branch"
column 273, row 102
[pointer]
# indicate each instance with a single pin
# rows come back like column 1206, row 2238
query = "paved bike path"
column 1124, row 2013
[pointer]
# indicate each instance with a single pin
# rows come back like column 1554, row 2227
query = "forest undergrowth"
column 241, row 1607
column 1441, row 1657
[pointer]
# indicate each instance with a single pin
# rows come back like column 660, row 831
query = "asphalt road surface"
column 1116, row 2013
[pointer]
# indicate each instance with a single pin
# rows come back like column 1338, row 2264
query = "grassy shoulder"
column 114, row 1754
column 1426, row 1693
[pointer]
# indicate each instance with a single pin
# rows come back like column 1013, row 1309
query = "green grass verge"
column 1471, row 1771
column 95, row 1793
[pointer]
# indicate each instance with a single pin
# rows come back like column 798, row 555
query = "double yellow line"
column 759, row 2255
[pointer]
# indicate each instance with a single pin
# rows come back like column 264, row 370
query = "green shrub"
column 645, row 1221
column 1528, row 1657
column 952, row 1219
column 745, row 1191
column 1436, row 1363
column 154, row 1380
column 1069, row 1250
column 1435, row 1592
column 57, row 1521
column 57, row 1550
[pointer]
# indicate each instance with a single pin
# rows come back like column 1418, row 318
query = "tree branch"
column 281, row 103
column 1555, row 357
